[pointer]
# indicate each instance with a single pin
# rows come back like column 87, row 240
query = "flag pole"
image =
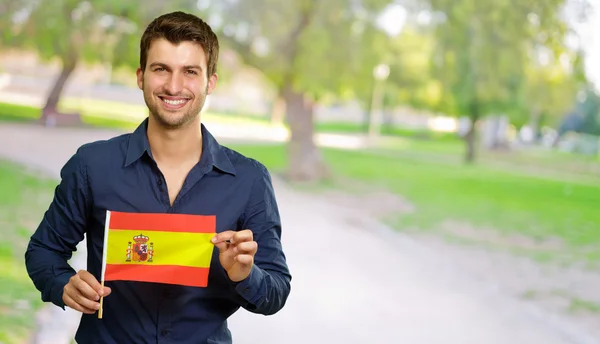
column 104, row 252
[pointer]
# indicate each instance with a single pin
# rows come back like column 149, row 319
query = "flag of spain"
column 158, row 248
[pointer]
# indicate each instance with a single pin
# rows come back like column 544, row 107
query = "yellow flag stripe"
column 167, row 248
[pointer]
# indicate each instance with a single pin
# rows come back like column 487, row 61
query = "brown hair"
column 179, row 27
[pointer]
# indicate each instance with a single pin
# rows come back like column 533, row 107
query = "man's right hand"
column 83, row 292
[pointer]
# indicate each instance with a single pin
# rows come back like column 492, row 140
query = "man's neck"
column 172, row 148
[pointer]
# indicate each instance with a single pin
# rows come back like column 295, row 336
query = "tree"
column 411, row 81
column 551, row 87
column 589, row 110
column 308, row 49
column 483, row 48
column 70, row 30
column 75, row 31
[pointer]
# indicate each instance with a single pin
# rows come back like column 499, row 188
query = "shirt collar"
column 212, row 152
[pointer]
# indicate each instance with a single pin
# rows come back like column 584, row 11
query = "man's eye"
column 159, row 69
column 192, row 72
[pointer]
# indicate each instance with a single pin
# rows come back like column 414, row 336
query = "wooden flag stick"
column 101, row 303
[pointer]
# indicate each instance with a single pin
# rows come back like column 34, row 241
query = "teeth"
column 174, row 102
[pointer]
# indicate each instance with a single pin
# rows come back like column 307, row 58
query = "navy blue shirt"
column 120, row 174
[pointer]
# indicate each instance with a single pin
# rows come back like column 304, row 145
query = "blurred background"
column 436, row 162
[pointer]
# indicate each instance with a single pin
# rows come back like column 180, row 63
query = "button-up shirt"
column 120, row 174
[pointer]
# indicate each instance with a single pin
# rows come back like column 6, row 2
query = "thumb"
column 220, row 240
column 106, row 291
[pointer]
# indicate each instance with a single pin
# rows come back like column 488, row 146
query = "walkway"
column 353, row 280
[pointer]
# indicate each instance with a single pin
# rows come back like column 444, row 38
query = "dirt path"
column 354, row 280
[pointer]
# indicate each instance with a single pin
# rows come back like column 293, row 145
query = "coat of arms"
column 141, row 250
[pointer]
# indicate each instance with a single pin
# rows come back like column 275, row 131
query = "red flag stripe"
column 169, row 274
column 163, row 222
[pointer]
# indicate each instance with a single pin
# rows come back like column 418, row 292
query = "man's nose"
column 174, row 84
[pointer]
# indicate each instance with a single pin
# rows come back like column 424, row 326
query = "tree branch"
column 243, row 50
column 307, row 14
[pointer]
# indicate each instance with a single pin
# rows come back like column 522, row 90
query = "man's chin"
column 170, row 120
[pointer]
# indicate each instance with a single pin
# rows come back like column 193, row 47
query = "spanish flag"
column 158, row 248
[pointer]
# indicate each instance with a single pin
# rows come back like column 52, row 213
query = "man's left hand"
column 237, row 255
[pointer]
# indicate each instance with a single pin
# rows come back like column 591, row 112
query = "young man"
column 169, row 164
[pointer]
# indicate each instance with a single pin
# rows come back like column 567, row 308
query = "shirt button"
column 159, row 182
column 163, row 332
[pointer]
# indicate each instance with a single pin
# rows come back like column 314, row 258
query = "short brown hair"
column 179, row 27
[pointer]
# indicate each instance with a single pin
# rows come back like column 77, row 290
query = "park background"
column 465, row 129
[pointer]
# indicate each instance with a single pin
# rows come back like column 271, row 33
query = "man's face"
column 174, row 83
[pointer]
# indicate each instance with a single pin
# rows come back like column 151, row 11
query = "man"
column 169, row 164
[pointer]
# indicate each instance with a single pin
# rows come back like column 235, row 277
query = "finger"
column 91, row 281
column 222, row 237
column 248, row 247
column 80, row 298
column 244, row 259
column 107, row 291
column 220, row 240
column 241, row 236
column 86, row 290
column 86, row 303
column 69, row 302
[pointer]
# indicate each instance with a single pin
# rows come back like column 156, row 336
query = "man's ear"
column 212, row 83
column 140, row 78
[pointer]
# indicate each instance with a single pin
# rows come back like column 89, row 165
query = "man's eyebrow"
column 192, row 67
column 159, row 64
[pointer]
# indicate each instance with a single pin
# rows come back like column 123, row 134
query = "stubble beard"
column 164, row 118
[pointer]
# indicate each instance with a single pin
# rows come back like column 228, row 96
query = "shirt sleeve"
column 267, row 287
column 62, row 227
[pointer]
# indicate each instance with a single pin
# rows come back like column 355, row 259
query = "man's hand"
column 83, row 292
column 237, row 255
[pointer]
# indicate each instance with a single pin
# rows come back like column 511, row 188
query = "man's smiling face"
column 175, row 83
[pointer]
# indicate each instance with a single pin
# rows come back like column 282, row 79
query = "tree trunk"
column 534, row 122
column 470, row 144
column 305, row 160
column 50, row 114
column 470, row 137
column 278, row 110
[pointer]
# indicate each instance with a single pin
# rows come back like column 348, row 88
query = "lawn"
column 507, row 201
column 23, row 199
column 127, row 116
column 114, row 115
column 354, row 128
column 22, row 113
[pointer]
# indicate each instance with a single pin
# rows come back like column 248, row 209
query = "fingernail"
column 214, row 239
column 101, row 292
column 97, row 306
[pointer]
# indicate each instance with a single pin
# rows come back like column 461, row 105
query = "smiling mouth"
column 174, row 103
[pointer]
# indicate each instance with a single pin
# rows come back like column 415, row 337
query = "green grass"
column 23, row 113
column 23, row 200
column 18, row 113
column 390, row 130
column 511, row 202
column 580, row 305
column 113, row 115
column 575, row 304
